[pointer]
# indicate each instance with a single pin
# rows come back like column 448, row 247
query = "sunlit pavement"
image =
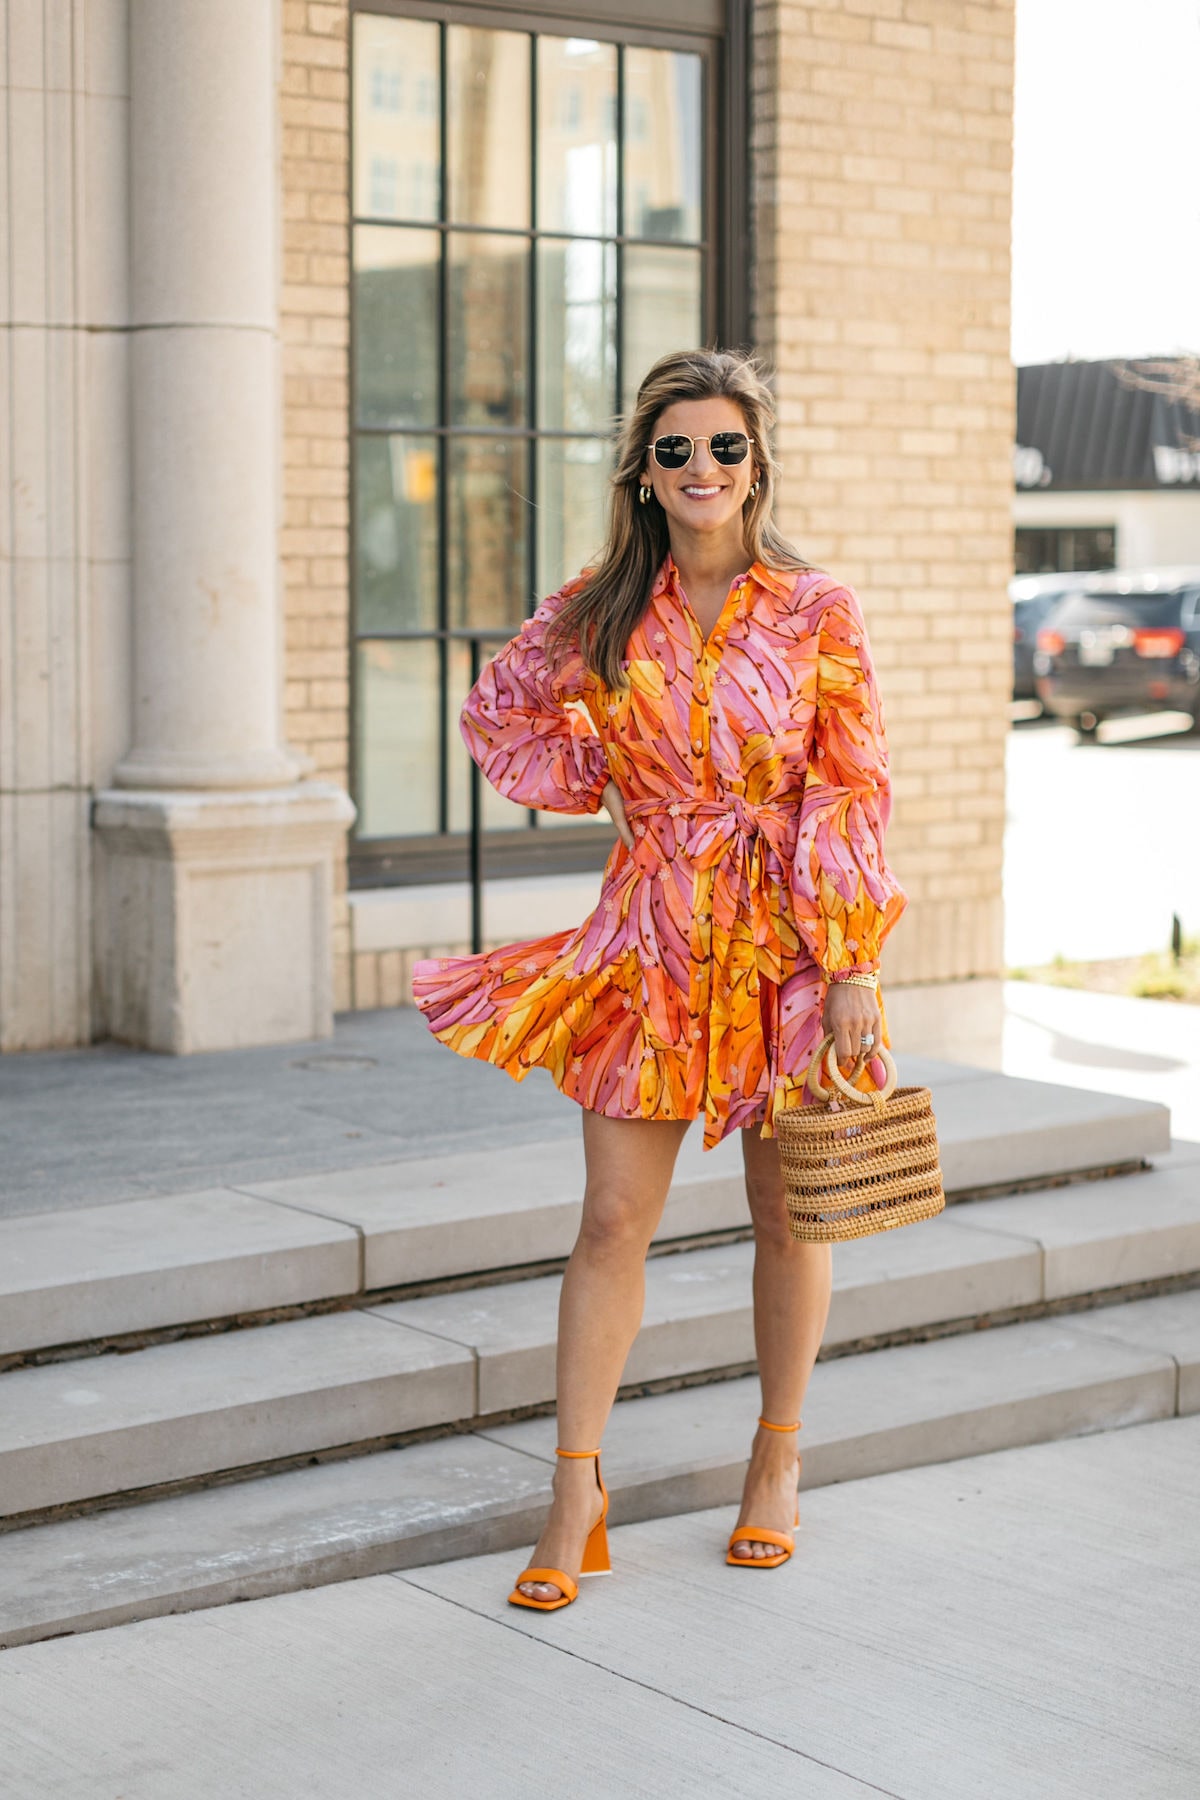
column 1148, row 1049
column 1101, row 849
column 1101, row 846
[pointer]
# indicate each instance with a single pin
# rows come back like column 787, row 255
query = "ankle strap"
column 582, row 1453
column 771, row 1427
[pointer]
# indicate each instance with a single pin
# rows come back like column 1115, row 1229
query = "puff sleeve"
column 845, row 896
column 525, row 724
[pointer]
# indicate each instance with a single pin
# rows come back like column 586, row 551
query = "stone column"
column 218, row 859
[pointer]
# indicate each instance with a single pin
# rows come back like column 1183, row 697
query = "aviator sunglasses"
column 725, row 447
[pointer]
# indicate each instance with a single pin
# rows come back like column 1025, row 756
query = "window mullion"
column 443, row 445
column 531, row 453
column 619, row 247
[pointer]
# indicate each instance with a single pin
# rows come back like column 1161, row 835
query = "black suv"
column 1127, row 641
column 1032, row 597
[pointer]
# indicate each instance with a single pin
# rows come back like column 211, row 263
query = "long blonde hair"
column 600, row 616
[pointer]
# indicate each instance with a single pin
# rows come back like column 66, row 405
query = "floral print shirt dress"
column 754, row 772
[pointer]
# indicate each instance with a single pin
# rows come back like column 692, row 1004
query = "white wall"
column 1151, row 527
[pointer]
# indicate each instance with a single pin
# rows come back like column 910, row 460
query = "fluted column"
column 217, row 861
column 206, row 462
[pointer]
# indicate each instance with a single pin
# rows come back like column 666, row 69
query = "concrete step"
column 453, row 1215
column 989, row 1258
column 664, row 1454
column 139, row 1265
column 146, row 1265
column 78, row 1430
column 72, row 1431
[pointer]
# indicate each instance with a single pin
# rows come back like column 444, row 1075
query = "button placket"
column 700, row 716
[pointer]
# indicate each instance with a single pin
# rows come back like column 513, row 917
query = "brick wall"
column 315, row 324
column 882, row 156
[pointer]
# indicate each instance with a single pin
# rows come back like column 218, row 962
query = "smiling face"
column 706, row 496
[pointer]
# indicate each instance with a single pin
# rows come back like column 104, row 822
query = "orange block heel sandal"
column 595, row 1555
column 759, row 1534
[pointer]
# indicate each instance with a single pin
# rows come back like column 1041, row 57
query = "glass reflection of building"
column 529, row 234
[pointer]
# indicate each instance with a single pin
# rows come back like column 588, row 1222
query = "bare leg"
column 629, row 1168
column 792, row 1285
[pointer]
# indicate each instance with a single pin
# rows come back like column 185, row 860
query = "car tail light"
column 1052, row 642
column 1018, row 634
column 1165, row 640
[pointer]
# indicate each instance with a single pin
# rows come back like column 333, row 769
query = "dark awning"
column 1080, row 428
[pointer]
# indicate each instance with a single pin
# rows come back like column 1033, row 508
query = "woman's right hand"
column 612, row 801
column 851, row 1013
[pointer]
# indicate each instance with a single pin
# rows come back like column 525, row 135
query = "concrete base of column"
column 214, row 915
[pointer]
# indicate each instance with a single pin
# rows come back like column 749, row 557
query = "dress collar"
column 780, row 582
column 668, row 576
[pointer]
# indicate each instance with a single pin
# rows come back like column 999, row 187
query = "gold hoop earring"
column 644, row 494
column 753, row 489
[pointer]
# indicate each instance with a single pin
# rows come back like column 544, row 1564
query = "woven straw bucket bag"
column 859, row 1162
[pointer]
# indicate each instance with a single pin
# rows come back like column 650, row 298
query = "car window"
column 1190, row 615
column 1134, row 609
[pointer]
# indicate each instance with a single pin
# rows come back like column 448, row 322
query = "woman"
column 715, row 693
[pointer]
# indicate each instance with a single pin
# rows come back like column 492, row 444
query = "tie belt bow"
column 731, row 830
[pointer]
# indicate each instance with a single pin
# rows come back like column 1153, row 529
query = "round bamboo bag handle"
column 825, row 1054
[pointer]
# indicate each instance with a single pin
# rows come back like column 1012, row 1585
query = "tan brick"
column 329, row 84
column 333, row 697
column 391, row 978
column 330, row 761
column 331, row 207
column 843, row 25
column 343, row 982
column 366, row 980
column 328, row 20
column 333, row 328
column 301, row 48
column 316, row 664
column 331, row 235
column 316, row 481
column 307, row 110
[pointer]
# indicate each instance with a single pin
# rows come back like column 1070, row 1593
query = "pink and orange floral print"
column 754, row 772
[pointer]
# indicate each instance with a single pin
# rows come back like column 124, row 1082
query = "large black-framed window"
column 541, row 205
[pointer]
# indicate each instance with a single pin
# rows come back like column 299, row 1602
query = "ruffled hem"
column 529, row 1007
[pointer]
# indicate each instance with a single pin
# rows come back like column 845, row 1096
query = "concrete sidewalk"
column 1020, row 1626
column 1108, row 1043
column 88, row 1127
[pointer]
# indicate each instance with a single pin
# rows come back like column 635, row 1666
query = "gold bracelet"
column 867, row 981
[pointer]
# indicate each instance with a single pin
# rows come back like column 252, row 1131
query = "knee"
column 768, row 1214
column 616, row 1224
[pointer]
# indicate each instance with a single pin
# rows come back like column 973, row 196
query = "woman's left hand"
column 852, row 1013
